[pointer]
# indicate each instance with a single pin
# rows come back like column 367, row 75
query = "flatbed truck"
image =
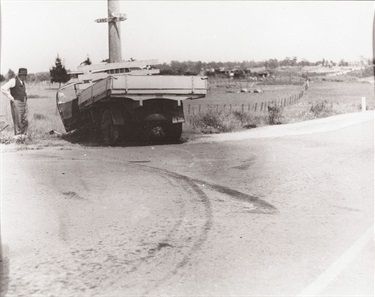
column 122, row 105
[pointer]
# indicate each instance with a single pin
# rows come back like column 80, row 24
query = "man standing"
column 15, row 90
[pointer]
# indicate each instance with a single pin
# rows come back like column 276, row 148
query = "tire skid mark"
column 200, row 238
column 72, row 195
column 167, row 238
column 179, row 222
column 266, row 207
column 203, row 234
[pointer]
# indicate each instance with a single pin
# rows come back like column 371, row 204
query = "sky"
column 33, row 32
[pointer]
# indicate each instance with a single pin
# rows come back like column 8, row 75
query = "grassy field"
column 333, row 97
column 323, row 98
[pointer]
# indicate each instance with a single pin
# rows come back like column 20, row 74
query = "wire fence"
column 196, row 109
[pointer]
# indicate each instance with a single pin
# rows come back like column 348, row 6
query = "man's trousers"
column 19, row 115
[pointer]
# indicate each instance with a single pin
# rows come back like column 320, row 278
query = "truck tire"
column 110, row 132
column 174, row 132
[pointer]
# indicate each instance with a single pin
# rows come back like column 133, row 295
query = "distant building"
column 258, row 71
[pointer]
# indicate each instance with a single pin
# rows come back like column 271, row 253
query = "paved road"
column 276, row 213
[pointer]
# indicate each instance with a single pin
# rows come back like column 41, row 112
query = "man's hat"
column 22, row 71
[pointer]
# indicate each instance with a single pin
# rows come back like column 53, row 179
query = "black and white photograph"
column 187, row 148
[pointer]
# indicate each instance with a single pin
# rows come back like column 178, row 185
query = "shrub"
column 212, row 121
column 244, row 118
column 274, row 114
column 322, row 108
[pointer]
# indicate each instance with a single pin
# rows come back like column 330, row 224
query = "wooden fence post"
column 255, row 109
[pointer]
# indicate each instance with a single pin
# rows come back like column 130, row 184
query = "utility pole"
column 114, row 36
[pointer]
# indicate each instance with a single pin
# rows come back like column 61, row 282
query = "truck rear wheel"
column 110, row 132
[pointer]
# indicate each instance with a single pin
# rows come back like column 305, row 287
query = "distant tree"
column 293, row 62
column 58, row 72
column 2, row 78
column 343, row 63
column 304, row 62
column 105, row 60
column 286, row 62
column 11, row 74
column 165, row 69
column 198, row 66
column 179, row 67
column 271, row 63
